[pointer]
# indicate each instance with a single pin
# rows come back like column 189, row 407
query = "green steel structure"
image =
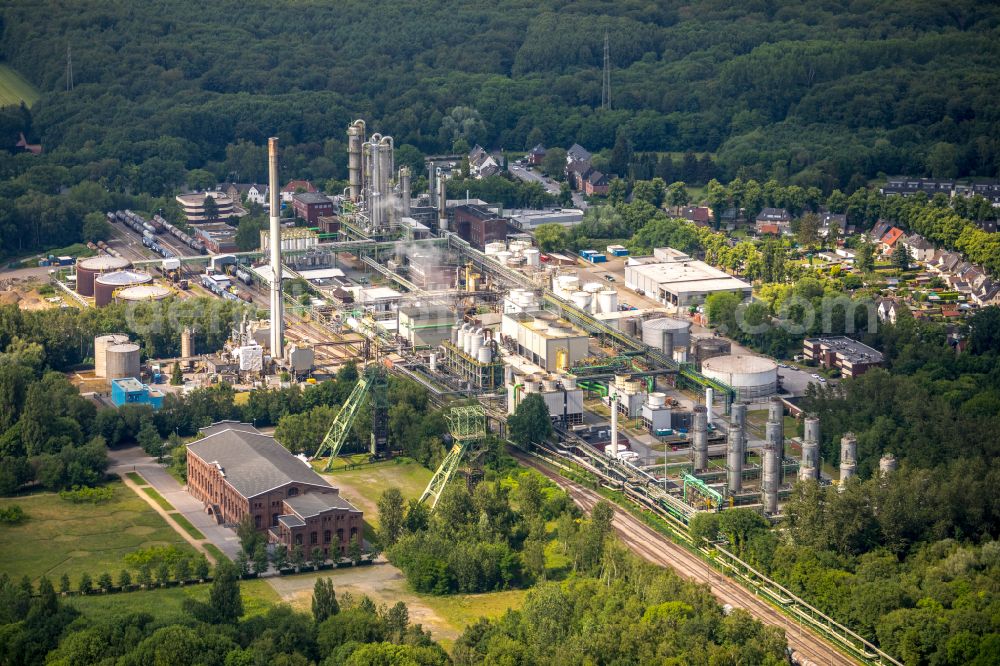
column 373, row 381
column 467, row 425
column 714, row 497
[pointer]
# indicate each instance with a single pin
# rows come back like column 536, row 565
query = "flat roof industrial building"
column 683, row 283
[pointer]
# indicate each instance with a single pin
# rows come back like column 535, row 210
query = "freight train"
column 192, row 243
column 150, row 241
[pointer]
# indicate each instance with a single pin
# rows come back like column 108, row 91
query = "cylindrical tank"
column 562, row 359
column 735, row 448
column 656, row 400
column 775, row 410
column 581, row 299
column 532, row 257
column 703, row 348
column 769, row 477
column 432, row 362
column 123, row 360
column 495, row 247
column 88, row 269
column 503, row 256
column 888, row 464
column 810, row 466
column 709, row 403
column 485, row 354
column 653, row 333
column 569, row 382
column 699, row 439
column 593, row 287
column 476, row 344
column 142, row 292
column 607, row 300
column 516, row 261
column 101, row 344
column 681, row 355
column 848, row 458
column 454, row 334
column 549, row 383
column 753, row 377
column 631, row 326
column 106, row 285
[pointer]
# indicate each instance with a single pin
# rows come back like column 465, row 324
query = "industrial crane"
column 467, row 426
column 374, row 382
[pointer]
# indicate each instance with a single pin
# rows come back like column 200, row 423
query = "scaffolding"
column 467, row 426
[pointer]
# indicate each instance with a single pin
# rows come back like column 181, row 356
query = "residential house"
column 773, row 221
column 851, row 357
column 235, row 191
column 920, row 248
column 578, row 153
column 595, row 183
column 879, row 230
column 887, row 243
column 700, row 215
column 311, row 206
column 481, row 163
column 536, row 155
column 945, row 262
column 576, row 174
column 258, row 194
column 888, row 310
column 832, row 222
column 295, row 186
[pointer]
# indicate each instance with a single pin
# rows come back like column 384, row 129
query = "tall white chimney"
column 277, row 307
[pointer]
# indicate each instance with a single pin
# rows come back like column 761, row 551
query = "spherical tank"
column 653, row 330
column 101, row 344
column 143, row 292
column 123, row 361
column 106, row 285
column 752, row 377
column 88, row 269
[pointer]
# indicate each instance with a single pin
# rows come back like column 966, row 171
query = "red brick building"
column 478, row 225
column 311, row 206
column 236, row 471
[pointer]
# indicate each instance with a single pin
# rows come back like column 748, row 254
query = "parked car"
column 815, row 376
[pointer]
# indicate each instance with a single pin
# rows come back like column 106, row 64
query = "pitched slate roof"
column 253, row 463
column 312, row 504
column 578, row 153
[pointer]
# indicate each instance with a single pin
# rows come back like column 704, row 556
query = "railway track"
column 656, row 548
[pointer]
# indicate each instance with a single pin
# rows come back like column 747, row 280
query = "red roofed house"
column 294, row 186
column 888, row 241
column 700, row 215
column 765, row 228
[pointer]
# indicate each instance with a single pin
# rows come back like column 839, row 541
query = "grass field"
column 215, row 552
column 158, row 498
column 15, row 89
column 166, row 604
column 188, row 527
column 136, row 479
column 363, row 486
column 61, row 537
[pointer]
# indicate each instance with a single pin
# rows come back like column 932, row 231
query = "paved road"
column 135, row 459
column 530, row 176
column 656, row 548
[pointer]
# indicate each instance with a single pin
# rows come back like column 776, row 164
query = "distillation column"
column 809, row 470
column 614, row 426
column 277, row 305
column 355, row 139
column 699, row 439
column 442, row 196
column 848, row 458
column 736, row 447
column 404, row 190
column 773, row 449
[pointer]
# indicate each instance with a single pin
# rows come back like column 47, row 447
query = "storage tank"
column 656, row 400
column 516, row 261
column 631, row 326
column 569, row 382
column 485, row 354
column 476, row 344
column 101, row 344
column 532, row 257
column 607, row 300
column 581, row 299
column 503, row 256
column 495, row 247
column 704, row 348
column 106, row 285
column 142, row 292
column 848, row 458
column 88, row 269
column 519, row 245
column 122, row 360
column 666, row 334
column 753, row 377
column 549, row 383
column 593, row 287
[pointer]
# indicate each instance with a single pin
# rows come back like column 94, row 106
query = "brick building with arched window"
column 236, row 471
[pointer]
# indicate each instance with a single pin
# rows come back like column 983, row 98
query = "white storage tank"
column 607, row 300
column 656, row 400
column 143, row 292
column 495, row 247
column 101, row 344
column 593, row 287
column 753, row 377
column 581, row 299
column 666, row 334
column 122, row 360
column 485, row 354
column 502, row 257
column 476, row 344
column 532, row 257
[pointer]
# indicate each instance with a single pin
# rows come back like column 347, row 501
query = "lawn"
column 61, row 537
column 15, row 89
column 363, row 486
column 158, row 498
column 188, row 527
column 166, row 604
column 136, row 479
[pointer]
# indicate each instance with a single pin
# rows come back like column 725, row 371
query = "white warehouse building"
column 544, row 339
column 683, row 283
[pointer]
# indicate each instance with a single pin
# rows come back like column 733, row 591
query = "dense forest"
column 824, row 94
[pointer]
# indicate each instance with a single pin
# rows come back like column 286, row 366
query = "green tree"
column 149, row 439
column 391, row 516
column 900, row 257
column 551, row 237
column 554, row 163
column 279, row 558
column 224, row 599
column 677, row 194
column 104, row 582
column 298, row 558
column 125, row 579
column 530, row 423
column 176, row 376
column 617, row 191
column 64, row 583
column 260, row 558
column 354, row 550
column 808, row 229
column 324, row 601
column 86, row 584
column 211, row 208
column 865, row 257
